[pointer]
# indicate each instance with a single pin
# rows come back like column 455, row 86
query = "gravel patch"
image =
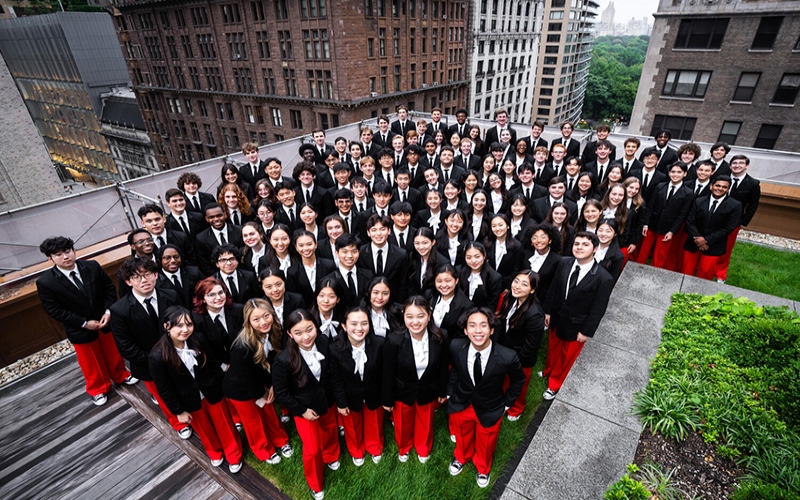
column 769, row 240
column 35, row 361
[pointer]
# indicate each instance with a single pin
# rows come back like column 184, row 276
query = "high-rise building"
column 606, row 26
column 122, row 125
column 729, row 72
column 564, row 55
column 505, row 47
column 211, row 76
column 61, row 64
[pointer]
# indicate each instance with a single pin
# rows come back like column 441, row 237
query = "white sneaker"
column 318, row 495
column 234, row 468
column 217, row 463
column 453, row 438
column 287, row 451
column 423, row 460
column 541, row 374
column 185, row 433
column 99, row 400
column 403, row 458
column 483, row 480
column 334, row 465
column 376, row 458
column 456, row 467
column 358, row 461
column 549, row 395
column 131, row 380
column 274, row 459
column 513, row 418
column 285, row 420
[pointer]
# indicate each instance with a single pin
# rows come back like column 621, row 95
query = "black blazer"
column 402, row 129
column 715, row 227
column 488, row 399
column 409, row 237
column 533, row 145
column 692, row 184
column 246, row 173
column 189, row 277
column 315, row 394
column 245, row 380
column 395, row 268
column 421, row 219
column 62, row 300
column 585, row 306
column 634, row 165
column 319, row 157
column 184, row 242
column 417, row 176
column 297, row 279
column 573, row 148
column 526, row 336
column 668, row 157
column 633, row 226
column 664, row 216
column 350, row 299
column 492, row 135
column 400, row 382
column 541, row 207
column 195, row 221
column 546, row 272
column 435, row 259
column 486, row 294
column 458, row 305
column 593, row 168
column 431, row 131
column 219, row 341
column 134, row 331
column 473, row 163
column 457, row 174
column 547, row 173
column 291, row 302
column 377, row 139
column 247, row 283
column 454, row 129
column 179, row 390
column 537, row 192
column 283, row 218
column 204, row 199
column 613, row 260
column 349, row 390
column 656, row 179
column 207, row 242
column 589, row 155
column 511, row 262
column 748, row 193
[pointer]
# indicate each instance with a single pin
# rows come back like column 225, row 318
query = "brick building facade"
column 723, row 71
column 211, row 76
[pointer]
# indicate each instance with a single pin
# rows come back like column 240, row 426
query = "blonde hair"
column 249, row 337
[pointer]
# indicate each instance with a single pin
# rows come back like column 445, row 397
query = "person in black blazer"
column 393, row 260
column 136, row 322
column 356, row 368
column 557, row 191
column 512, row 260
column 589, row 155
column 665, row 216
column 180, row 217
column 424, row 260
column 403, row 192
column 402, row 125
column 189, row 381
column 710, row 222
column 476, row 394
column 666, row 155
column 467, row 160
column 575, row 304
column 415, row 167
column 152, row 219
column 477, row 279
column 414, row 383
column 273, row 285
column 649, row 176
column 701, row 184
column 436, row 124
column 80, row 302
column 248, row 382
column 746, row 190
column 521, row 327
column 196, row 201
column 534, row 140
column 542, row 254
column 493, row 133
column 321, row 150
column 174, row 275
column 255, row 169
column 573, row 146
column 348, row 254
column 217, row 319
column 383, row 136
column 307, row 191
column 601, row 163
column 609, row 255
column 220, row 233
column 297, row 278
column 241, row 284
column 301, row 375
column 447, row 301
column 461, row 127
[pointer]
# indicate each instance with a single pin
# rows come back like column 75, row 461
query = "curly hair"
column 243, row 203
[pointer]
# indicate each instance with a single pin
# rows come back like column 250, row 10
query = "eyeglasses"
column 211, row 295
column 226, row 260
column 144, row 240
column 140, row 277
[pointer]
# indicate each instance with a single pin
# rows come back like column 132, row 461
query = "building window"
column 297, row 118
column 230, row 14
column 701, row 33
column 291, row 82
column 768, row 136
column 243, row 79
column 173, row 48
column 206, row 45
column 316, row 44
column 682, row 83
column 281, row 12
column 262, row 39
column 382, row 42
column 786, row 92
column 729, row 132
column 153, row 47
column 397, row 78
column 213, row 79
column 767, row 32
column 180, row 20
column 312, row 8
column 257, row 9
column 200, row 16
column 269, row 81
column 396, row 41
column 370, row 47
column 276, row 118
column 412, row 45
column 746, row 87
column 236, row 45
column 209, row 134
column 320, row 84
column 285, row 39
column 681, row 127
column 187, row 46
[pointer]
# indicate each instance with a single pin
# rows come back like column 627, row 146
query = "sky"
column 628, row 9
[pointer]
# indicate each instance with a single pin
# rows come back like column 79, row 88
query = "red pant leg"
column 661, row 252
column 329, row 435
column 551, row 351
column 404, row 426
column 173, row 420
column 93, row 367
column 275, row 432
column 114, row 361
column 202, row 425
column 676, row 252
column 567, row 351
column 485, row 444
column 519, row 405
column 373, row 430
column 232, row 410
column 645, row 247
column 464, row 430
column 254, row 428
column 423, row 428
column 354, row 433
column 313, row 465
column 229, row 438
column 725, row 260
column 707, row 266
column 689, row 264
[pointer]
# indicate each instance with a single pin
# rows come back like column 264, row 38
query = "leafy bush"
column 643, row 484
column 627, row 488
column 762, row 491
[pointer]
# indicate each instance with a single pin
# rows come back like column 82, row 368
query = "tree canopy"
column 614, row 74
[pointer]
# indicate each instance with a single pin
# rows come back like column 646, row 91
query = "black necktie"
column 183, row 224
column 397, row 160
column 446, row 175
column 366, row 149
column 413, row 172
column 600, row 173
column 699, row 188
column 538, row 173
column 177, row 283
column 430, row 159
column 714, row 206
column 232, row 287
column 255, row 170
column 222, row 240
column 476, row 369
column 403, row 196
column 195, row 203
column 308, row 196
column 735, row 183
column 384, row 139
column 571, row 181
column 671, row 192
column 351, row 284
column 151, row 311
column 76, row 280
column 528, row 193
column 646, row 180
column 403, row 240
column 291, row 216
column 379, row 263
column 346, row 224
column 573, row 279
column 161, row 241
column 361, row 207
column 236, row 220
column 627, row 166
column 220, row 327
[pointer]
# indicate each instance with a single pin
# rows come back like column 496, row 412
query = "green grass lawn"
column 766, row 270
column 412, row 480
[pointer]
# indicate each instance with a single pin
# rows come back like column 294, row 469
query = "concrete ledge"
column 631, row 326
column 706, row 287
column 647, row 285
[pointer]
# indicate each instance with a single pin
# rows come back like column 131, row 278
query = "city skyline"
column 631, row 9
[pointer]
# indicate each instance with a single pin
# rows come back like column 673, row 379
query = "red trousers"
column 645, row 247
column 320, row 446
column 101, row 364
column 413, row 426
column 662, row 251
column 519, row 405
column 173, row 420
column 675, row 257
column 363, row 431
column 214, row 425
column 261, row 426
column 474, row 442
column 561, row 355
column 725, row 260
column 703, row 264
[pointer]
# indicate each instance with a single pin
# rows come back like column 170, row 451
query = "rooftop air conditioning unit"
column 373, row 94
column 436, row 83
column 424, row 85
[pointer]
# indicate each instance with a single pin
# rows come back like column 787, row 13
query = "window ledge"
column 761, row 51
column 742, row 102
column 779, row 105
column 673, row 98
column 696, row 50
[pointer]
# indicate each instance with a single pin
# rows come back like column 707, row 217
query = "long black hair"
column 295, row 358
column 172, row 317
column 533, row 278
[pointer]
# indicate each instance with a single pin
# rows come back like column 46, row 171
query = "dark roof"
column 124, row 112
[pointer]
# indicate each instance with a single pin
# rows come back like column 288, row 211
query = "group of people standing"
column 381, row 278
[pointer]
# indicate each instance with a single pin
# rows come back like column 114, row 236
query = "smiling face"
column 703, row 172
column 348, row 256
column 274, row 169
column 499, row 228
column 327, row 300
column 170, row 260
column 252, row 156
column 474, row 259
column 177, row 203
column 446, row 285
column 521, row 287
column 231, row 199
column 231, row 176
column 379, row 296
column 180, row 331
column 450, row 192
column 307, row 215
column 502, row 119
column 478, row 330
column 261, row 320
column 378, row 234
column 454, row 224
column 738, row 167
column 676, row 174
column 584, row 184
column 478, row 202
column 215, row 217
column 416, row 320
column 616, row 195
column 423, row 245
column 687, row 157
column 153, row 222
column 357, row 327
column 334, row 229
column 559, row 216
column 280, row 242
column 227, row 263
column 557, row 190
column 518, row 208
column 720, row 188
column 433, row 200
column 215, row 299
column 591, row 214
column 471, row 182
column 265, row 215
column 605, row 234
column 566, row 130
column 582, row 249
column 304, row 334
column 632, row 189
column 305, row 246
column 274, row 288
column 540, row 241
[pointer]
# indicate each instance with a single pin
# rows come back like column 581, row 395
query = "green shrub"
column 627, row 488
column 762, row 491
column 664, row 413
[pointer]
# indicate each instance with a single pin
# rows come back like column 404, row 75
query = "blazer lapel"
column 491, row 363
